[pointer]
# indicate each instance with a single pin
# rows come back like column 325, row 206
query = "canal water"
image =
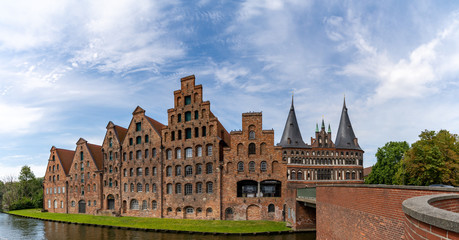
column 18, row 228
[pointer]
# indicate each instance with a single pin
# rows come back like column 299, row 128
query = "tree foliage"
column 25, row 193
column 434, row 159
column 388, row 161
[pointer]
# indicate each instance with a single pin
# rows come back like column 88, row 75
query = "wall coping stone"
column 408, row 187
column 420, row 209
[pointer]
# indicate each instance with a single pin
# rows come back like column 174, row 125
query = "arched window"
column 271, row 208
column 131, row 172
column 189, row 210
column 178, row 153
column 168, row 171
column 251, row 135
column 139, row 171
column 348, row 175
column 125, row 187
column 169, row 154
column 188, row 189
column 240, row 167
column 198, row 187
column 188, row 170
column 300, row 176
column 198, row 169
column 240, row 149
column 209, row 150
column 154, row 205
column 252, row 149
column 353, row 175
column 209, row 168
column 293, row 175
column 209, row 187
column 252, row 166
column 132, row 187
column 263, row 148
column 198, row 151
column 178, row 170
column 153, row 188
column 178, row 188
column 144, row 205
column 169, row 188
column 263, row 166
column 147, row 187
column 134, row 204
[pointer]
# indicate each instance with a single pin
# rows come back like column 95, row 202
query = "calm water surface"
column 12, row 227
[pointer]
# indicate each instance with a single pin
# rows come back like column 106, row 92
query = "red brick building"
column 55, row 181
column 193, row 168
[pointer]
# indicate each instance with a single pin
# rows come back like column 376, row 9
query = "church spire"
column 345, row 138
column 292, row 135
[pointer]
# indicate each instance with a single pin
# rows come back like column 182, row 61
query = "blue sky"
column 69, row 67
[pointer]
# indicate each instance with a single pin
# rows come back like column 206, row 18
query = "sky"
column 68, row 67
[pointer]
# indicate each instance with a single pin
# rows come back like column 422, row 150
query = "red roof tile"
column 96, row 152
column 66, row 158
column 156, row 125
column 120, row 132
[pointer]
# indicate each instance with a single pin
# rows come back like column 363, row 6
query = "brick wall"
column 451, row 205
column 418, row 230
column 364, row 211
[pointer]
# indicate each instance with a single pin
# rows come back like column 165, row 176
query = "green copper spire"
column 317, row 127
column 329, row 129
column 323, row 124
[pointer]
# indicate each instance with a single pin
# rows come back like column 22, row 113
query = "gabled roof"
column 120, row 132
column 291, row 138
column 345, row 138
column 96, row 153
column 66, row 158
column 156, row 125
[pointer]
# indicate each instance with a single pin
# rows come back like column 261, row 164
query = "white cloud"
column 18, row 119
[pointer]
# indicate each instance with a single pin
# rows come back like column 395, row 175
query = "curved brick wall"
column 365, row 211
column 424, row 220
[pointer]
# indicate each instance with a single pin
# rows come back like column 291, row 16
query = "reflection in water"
column 12, row 227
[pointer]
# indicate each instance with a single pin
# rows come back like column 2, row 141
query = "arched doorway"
column 253, row 213
column 81, row 206
column 110, row 202
column 124, row 206
column 229, row 214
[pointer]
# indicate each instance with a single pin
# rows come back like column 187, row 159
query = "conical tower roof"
column 291, row 138
column 345, row 138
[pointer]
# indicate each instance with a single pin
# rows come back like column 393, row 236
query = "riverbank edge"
column 171, row 231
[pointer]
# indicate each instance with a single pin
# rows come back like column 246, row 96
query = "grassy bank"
column 220, row 226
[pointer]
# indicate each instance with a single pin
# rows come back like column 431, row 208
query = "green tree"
column 388, row 161
column 434, row 159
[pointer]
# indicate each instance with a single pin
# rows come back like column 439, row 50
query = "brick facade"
column 193, row 168
column 364, row 212
column 253, row 178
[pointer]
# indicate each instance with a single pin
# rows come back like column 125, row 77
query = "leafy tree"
column 26, row 174
column 388, row 161
column 434, row 159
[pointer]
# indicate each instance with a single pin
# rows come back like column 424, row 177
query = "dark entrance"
column 110, row 202
column 81, row 206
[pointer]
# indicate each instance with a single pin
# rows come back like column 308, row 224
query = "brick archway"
column 253, row 212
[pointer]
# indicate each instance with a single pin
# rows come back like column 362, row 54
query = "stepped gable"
column 291, row 138
column 66, row 158
column 345, row 138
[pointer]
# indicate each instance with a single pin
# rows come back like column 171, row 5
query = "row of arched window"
column 189, row 152
column 323, row 174
column 54, row 167
column 140, row 188
column 252, row 149
column 140, row 172
column 188, row 188
column 189, row 170
column 251, row 166
column 324, row 161
column 323, row 153
column 53, row 178
column 138, row 154
column 57, row 190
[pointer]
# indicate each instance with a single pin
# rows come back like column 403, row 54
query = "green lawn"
column 221, row 226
